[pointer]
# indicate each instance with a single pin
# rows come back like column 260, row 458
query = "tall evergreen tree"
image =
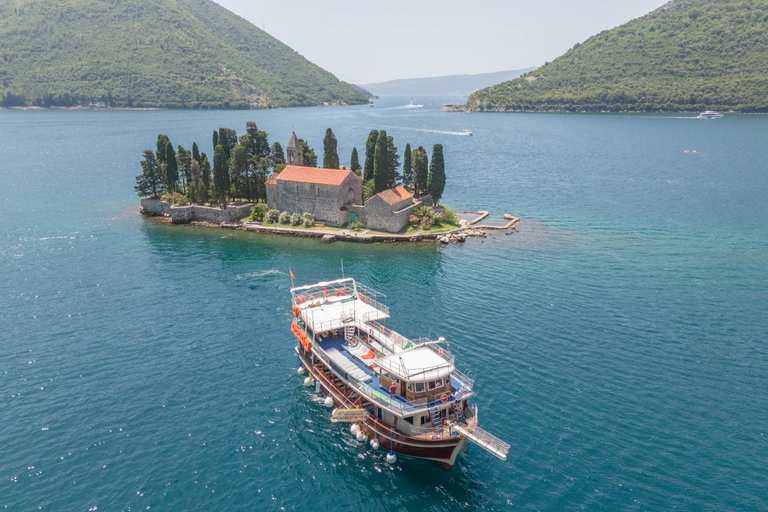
column 370, row 151
column 354, row 163
column 238, row 167
column 381, row 165
column 150, row 181
column 227, row 140
column 278, row 155
column 407, row 167
column 310, row 158
column 330, row 151
column 195, row 181
column 195, row 152
column 436, row 182
column 215, row 138
column 255, row 141
column 204, row 192
column 162, row 143
column 220, row 175
column 171, row 168
column 420, row 170
column 393, row 162
column 184, row 159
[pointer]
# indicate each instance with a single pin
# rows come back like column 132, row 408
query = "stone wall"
column 184, row 214
column 378, row 215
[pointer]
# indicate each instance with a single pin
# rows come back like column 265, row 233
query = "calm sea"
column 618, row 338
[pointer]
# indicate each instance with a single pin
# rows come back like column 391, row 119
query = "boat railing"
column 387, row 335
column 466, row 382
column 372, row 298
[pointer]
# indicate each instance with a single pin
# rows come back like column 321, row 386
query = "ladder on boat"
column 437, row 423
column 458, row 413
column 484, row 440
column 349, row 332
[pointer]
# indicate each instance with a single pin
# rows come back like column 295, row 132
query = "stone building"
column 328, row 194
column 387, row 211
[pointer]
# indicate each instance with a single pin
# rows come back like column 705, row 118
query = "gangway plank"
column 484, row 440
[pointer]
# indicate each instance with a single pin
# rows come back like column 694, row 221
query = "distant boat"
column 710, row 114
column 467, row 132
column 413, row 105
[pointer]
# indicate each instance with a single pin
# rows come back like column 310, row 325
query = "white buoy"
column 391, row 457
column 361, row 436
column 374, row 444
column 354, row 429
column 301, row 370
column 328, row 401
column 307, row 381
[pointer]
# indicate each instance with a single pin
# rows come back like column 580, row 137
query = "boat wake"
column 261, row 273
column 426, row 130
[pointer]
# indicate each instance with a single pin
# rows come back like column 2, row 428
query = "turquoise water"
column 618, row 338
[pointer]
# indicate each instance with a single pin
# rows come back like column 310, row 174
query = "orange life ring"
column 296, row 311
column 440, row 351
column 444, row 397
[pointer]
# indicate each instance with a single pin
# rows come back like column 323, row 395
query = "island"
column 259, row 187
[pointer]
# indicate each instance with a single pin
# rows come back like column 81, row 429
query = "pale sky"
column 367, row 41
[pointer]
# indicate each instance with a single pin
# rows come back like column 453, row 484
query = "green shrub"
column 258, row 212
column 296, row 219
column 355, row 226
column 451, row 217
column 308, row 219
column 273, row 216
column 285, row 218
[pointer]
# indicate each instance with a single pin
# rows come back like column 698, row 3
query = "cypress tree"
column 354, row 162
column 420, row 170
column 184, row 159
column 171, row 168
column 407, row 166
column 436, row 180
column 381, row 166
column 330, row 151
column 215, row 139
column 205, row 172
column 195, row 152
column 220, row 175
column 239, row 170
column 370, row 150
column 162, row 143
column 150, row 181
column 310, row 158
column 227, row 140
column 393, row 162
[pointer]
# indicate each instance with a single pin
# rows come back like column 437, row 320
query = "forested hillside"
column 688, row 55
column 152, row 53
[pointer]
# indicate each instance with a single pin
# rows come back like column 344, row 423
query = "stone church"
column 335, row 196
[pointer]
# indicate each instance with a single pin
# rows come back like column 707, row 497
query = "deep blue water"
column 618, row 338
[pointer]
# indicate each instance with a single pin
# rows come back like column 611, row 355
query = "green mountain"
column 688, row 55
column 152, row 53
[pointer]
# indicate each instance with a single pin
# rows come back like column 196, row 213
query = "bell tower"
column 293, row 152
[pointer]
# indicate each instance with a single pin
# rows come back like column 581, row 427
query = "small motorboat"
column 467, row 133
column 710, row 114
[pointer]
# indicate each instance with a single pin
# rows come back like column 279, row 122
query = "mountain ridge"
column 445, row 85
column 687, row 55
column 153, row 53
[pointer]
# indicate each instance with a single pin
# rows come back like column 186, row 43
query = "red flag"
column 292, row 276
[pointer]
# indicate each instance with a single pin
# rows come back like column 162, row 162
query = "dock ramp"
column 484, row 440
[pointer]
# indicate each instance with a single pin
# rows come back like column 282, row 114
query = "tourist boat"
column 413, row 105
column 467, row 132
column 404, row 395
column 710, row 114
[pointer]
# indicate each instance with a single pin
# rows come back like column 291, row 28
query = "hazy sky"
column 368, row 41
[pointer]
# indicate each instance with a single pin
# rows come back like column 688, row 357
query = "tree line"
column 241, row 166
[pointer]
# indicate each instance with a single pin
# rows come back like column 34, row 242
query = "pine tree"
column 220, row 175
column 407, row 167
column 436, row 181
column 150, row 181
column 420, row 171
column 278, row 155
column 370, row 150
column 381, row 166
column 354, row 162
column 171, row 168
column 330, row 151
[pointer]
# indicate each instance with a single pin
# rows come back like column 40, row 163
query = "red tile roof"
column 395, row 195
column 312, row 175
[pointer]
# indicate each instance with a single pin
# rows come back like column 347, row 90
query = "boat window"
column 419, row 387
column 422, row 420
column 409, row 420
column 432, row 384
column 439, row 383
column 410, row 387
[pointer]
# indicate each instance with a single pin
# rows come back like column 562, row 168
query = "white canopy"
column 420, row 364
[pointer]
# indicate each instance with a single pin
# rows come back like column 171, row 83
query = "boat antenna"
column 342, row 268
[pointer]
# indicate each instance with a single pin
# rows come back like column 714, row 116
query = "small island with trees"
column 254, row 185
